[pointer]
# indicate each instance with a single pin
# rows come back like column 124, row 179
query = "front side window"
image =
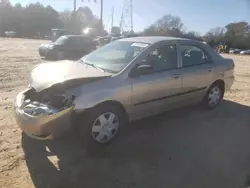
column 193, row 55
column 163, row 58
column 114, row 56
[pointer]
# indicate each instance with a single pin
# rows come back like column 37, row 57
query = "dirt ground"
column 187, row 148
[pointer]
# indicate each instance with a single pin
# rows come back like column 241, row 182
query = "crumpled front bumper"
column 44, row 126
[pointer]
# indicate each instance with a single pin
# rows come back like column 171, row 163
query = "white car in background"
column 245, row 52
column 235, row 51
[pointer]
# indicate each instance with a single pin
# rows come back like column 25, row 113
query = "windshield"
column 115, row 56
column 61, row 40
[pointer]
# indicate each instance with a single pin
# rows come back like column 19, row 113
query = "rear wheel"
column 213, row 96
column 101, row 125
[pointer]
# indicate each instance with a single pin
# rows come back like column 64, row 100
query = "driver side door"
column 157, row 91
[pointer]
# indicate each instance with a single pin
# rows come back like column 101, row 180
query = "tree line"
column 234, row 35
column 35, row 18
column 28, row 21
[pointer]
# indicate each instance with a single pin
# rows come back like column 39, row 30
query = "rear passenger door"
column 197, row 71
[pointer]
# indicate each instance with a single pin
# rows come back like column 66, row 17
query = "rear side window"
column 75, row 40
column 193, row 55
column 79, row 41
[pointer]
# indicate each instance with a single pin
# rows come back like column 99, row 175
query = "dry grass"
column 17, row 57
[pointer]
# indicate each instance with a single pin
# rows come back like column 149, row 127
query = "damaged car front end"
column 45, row 109
column 43, row 115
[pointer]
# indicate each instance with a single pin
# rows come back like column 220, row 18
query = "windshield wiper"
column 97, row 67
column 92, row 65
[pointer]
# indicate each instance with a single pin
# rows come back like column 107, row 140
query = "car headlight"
column 39, row 109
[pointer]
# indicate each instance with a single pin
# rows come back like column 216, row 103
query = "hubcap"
column 105, row 127
column 214, row 96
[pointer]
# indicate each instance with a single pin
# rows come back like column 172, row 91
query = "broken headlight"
column 46, row 103
column 38, row 109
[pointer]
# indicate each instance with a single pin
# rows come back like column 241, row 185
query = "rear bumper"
column 42, row 127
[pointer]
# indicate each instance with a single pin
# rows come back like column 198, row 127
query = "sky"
column 197, row 15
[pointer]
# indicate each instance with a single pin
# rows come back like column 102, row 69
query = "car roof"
column 152, row 39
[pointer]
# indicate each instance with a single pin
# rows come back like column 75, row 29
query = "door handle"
column 210, row 69
column 175, row 76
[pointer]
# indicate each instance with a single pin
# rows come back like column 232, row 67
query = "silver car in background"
column 122, row 81
column 245, row 52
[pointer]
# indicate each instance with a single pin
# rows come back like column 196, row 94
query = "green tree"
column 35, row 18
column 168, row 25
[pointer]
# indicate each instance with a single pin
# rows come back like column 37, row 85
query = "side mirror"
column 140, row 70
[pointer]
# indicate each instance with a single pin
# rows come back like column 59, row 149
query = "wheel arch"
column 114, row 103
column 221, row 84
column 103, row 103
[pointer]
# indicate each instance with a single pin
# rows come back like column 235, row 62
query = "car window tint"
column 71, row 41
column 136, row 51
column 193, row 55
column 84, row 40
column 76, row 40
column 163, row 58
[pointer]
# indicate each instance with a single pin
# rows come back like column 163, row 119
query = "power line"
column 126, row 23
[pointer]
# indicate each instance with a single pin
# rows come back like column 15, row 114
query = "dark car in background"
column 67, row 47
column 101, row 41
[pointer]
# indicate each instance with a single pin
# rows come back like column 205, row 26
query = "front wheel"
column 101, row 125
column 213, row 96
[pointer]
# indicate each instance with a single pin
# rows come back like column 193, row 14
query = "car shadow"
column 188, row 147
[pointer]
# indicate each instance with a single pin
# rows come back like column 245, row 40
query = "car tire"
column 213, row 96
column 101, row 125
column 59, row 55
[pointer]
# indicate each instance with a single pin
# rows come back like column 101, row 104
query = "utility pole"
column 74, row 15
column 131, row 16
column 74, row 6
column 126, row 23
column 101, row 16
column 112, row 19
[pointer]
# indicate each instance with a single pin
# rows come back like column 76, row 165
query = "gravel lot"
column 187, row 148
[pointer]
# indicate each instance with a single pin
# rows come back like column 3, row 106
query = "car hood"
column 48, row 74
